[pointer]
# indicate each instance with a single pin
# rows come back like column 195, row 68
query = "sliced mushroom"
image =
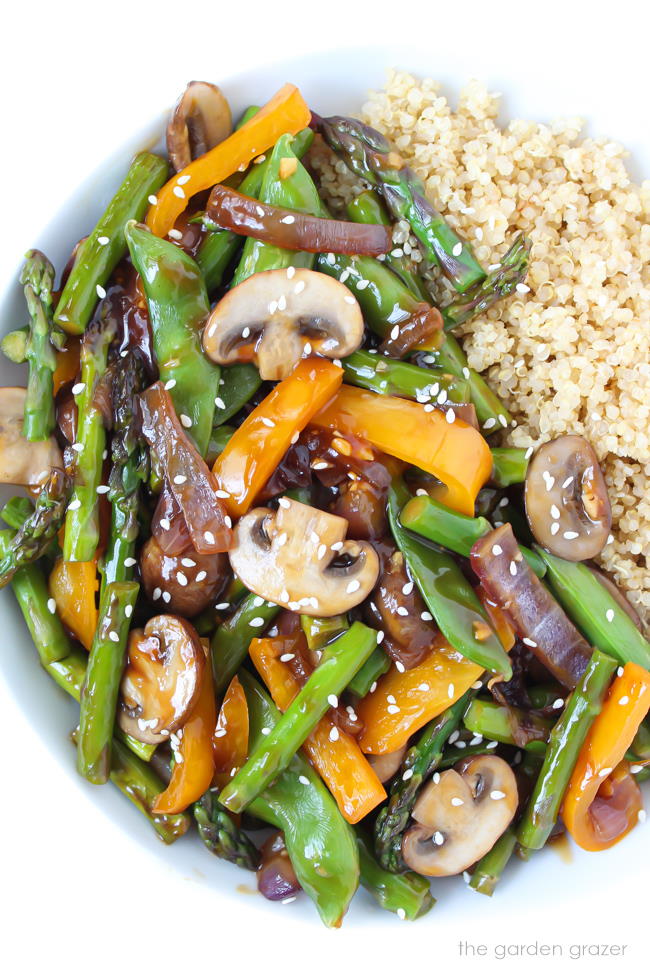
column 276, row 878
column 161, row 680
column 274, row 318
column 460, row 815
column 201, row 120
column 22, row 461
column 566, row 499
column 385, row 766
column 298, row 558
column 186, row 583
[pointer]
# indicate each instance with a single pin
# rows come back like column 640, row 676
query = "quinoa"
column 572, row 354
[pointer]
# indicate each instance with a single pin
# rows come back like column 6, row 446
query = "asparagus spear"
column 30, row 589
column 452, row 530
column 370, row 156
column 319, row 631
column 595, row 611
column 408, row 894
column 82, row 518
column 231, row 640
column 102, row 683
column 390, row 377
column 178, row 307
column 491, row 412
column 339, row 663
column 38, row 279
column 218, row 440
column 455, row 606
column 368, row 208
column 40, row 527
column 566, row 740
column 488, row 870
column 238, row 383
column 500, row 283
column 378, row 663
column 100, row 253
column 493, row 722
column 16, row 511
column 128, row 472
column 509, row 466
column 420, row 761
column 221, row 835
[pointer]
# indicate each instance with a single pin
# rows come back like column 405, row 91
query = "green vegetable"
column 229, row 647
column 14, row 345
column 595, row 611
column 318, row 632
column 221, row 835
column 371, row 157
column 218, row 440
column 100, row 253
column 102, row 682
column 390, row 377
column 321, row 845
column 491, row 413
column 488, row 870
column 82, row 517
column 272, row 755
column 238, row 383
column 450, row 598
column 30, row 589
column 566, row 740
column 407, row 894
column 493, row 722
column 452, row 530
column 40, row 526
column 509, row 466
column 178, row 307
column 295, row 192
column 378, row 663
column 499, row 284
column 421, row 760
column 38, row 279
column 16, row 511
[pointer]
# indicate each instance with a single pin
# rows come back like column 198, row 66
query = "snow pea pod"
column 447, row 593
column 321, row 845
column 178, row 306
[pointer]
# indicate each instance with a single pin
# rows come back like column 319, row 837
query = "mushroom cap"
column 385, row 766
column 162, row 678
column 201, row 120
column 286, row 556
column 22, row 461
column 567, row 505
column 460, row 815
column 274, row 318
column 191, row 581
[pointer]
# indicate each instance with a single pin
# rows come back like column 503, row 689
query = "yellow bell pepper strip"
column 67, row 363
column 402, row 703
column 194, row 766
column 599, row 807
column 230, row 739
column 340, row 762
column 73, row 586
column 286, row 112
column 455, row 452
column 259, row 444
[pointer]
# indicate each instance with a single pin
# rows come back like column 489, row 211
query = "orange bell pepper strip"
column 402, row 703
column 600, row 808
column 230, row 739
column 67, row 363
column 340, row 763
column 286, row 112
column 259, row 444
column 498, row 620
column 194, row 767
column 73, row 586
column 455, row 452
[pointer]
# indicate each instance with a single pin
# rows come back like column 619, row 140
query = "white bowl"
column 336, row 82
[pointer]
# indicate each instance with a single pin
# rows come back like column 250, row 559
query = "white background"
column 77, row 79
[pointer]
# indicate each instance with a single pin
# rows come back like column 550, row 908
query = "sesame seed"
column 402, row 611
column 489, row 423
column 336, row 546
column 393, row 709
column 175, row 234
column 185, row 420
column 513, row 568
column 450, row 416
column 457, row 249
column 188, row 563
column 200, row 576
column 497, row 794
column 570, row 535
column 78, row 388
column 209, row 537
column 284, row 503
column 454, row 736
column 522, row 288
column 102, row 489
column 624, row 700
column 497, row 550
column 362, row 284
column 641, row 815
column 407, row 588
column 222, row 606
column 635, row 769
column 558, row 703
column 156, row 593
column 620, row 671
column 257, row 621
column 529, row 643
column 604, row 772
column 128, row 611
column 286, row 657
column 101, row 292
column 456, row 801
column 222, row 494
column 179, row 192
column 74, row 505
column 170, row 384
column 438, row 838
column 353, row 585
column 153, row 200
column 300, row 286
column 266, row 731
column 182, row 578
column 129, row 561
column 555, row 527
column 51, row 605
column 290, row 272
column 113, row 636
column 102, row 241
column 288, row 219
column 492, row 744
column 426, row 616
column 334, row 734
column 165, row 524
column 303, row 780
column 399, row 667
column 424, row 687
column 450, row 691
column 380, row 636
column 401, row 913
column 179, row 479
column 609, row 615
column 219, row 403
column 436, row 778
column 555, row 511
column 529, row 453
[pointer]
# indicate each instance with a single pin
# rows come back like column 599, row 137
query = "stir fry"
column 276, row 545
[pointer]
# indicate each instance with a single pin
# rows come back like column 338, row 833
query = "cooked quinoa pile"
column 571, row 355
